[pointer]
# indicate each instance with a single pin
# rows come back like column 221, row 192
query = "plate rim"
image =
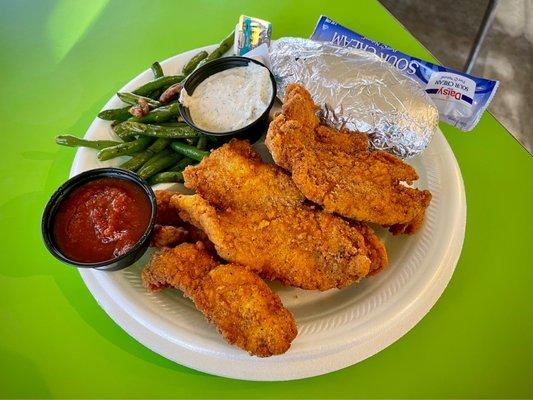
column 252, row 368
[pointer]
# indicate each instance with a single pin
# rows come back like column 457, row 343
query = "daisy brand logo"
column 450, row 92
column 449, row 86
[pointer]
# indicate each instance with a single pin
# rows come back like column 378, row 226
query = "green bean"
column 158, row 83
column 160, row 114
column 224, row 46
column 139, row 159
column 189, row 151
column 115, row 114
column 157, row 156
column 166, row 177
column 133, row 99
column 73, row 141
column 124, row 149
column 155, row 94
column 202, row 142
column 129, row 128
column 158, row 149
column 157, row 70
column 147, row 90
column 158, row 165
column 180, row 166
column 193, row 62
column 159, row 145
column 122, row 133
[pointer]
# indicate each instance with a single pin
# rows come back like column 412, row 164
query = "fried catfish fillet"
column 336, row 170
column 243, row 308
column 170, row 230
column 166, row 214
column 168, row 236
column 255, row 216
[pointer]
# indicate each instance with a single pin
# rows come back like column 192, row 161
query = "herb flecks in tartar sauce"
column 230, row 99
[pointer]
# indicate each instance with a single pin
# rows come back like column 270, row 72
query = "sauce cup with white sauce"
column 230, row 97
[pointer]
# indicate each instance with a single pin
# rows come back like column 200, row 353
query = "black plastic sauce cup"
column 114, row 264
column 254, row 130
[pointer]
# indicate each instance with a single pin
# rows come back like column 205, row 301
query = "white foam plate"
column 336, row 328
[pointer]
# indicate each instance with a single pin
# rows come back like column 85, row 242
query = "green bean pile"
column 159, row 143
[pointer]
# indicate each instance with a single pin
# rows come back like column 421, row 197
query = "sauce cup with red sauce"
column 101, row 219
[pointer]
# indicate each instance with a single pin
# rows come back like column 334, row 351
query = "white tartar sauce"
column 230, row 99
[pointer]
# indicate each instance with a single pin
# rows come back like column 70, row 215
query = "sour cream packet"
column 460, row 98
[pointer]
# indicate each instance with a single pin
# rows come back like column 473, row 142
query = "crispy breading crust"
column 255, row 216
column 298, row 247
column 235, row 176
column 242, row 307
column 170, row 230
column 166, row 215
column 246, row 311
column 181, row 267
column 335, row 169
column 375, row 247
column 168, row 236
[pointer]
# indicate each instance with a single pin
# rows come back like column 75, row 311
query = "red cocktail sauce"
column 101, row 220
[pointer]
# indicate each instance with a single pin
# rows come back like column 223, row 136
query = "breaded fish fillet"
column 166, row 215
column 255, row 216
column 243, row 308
column 336, row 170
column 170, row 230
column 168, row 236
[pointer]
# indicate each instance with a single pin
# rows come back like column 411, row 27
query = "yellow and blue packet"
column 251, row 33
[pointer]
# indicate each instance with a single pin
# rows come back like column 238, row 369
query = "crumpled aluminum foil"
column 359, row 91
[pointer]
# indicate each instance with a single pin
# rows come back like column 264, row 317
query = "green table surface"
column 59, row 63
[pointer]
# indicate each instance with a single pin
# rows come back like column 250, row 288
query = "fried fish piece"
column 255, row 216
column 242, row 307
column 336, row 170
column 168, row 236
column 166, row 214
column 170, row 230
